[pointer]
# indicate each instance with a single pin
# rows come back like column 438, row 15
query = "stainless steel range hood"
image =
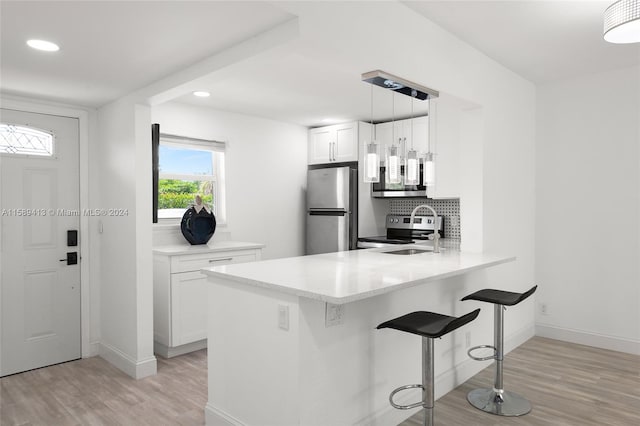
column 400, row 85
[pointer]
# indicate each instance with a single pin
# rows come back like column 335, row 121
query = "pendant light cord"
column 429, row 121
column 373, row 128
column 393, row 118
column 412, row 98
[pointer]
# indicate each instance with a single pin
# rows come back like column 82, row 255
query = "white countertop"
column 348, row 276
column 205, row 248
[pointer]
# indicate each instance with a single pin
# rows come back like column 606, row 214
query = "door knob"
column 72, row 258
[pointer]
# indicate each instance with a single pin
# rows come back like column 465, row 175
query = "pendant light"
column 429, row 178
column 392, row 174
column 622, row 22
column 395, row 159
column 412, row 170
column 371, row 155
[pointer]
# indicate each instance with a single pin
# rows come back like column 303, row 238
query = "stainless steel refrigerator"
column 332, row 208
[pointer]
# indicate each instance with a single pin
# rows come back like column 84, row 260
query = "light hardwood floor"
column 567, row 384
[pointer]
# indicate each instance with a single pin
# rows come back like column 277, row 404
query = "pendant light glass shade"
column 393, row 165
column 622, row 22
column 371, row 163
column 429, row 178
column 412, row 174
column 371, row 154
column 429, row 167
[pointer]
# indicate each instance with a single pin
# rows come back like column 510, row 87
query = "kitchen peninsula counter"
column 348, row 276
column 294, row 342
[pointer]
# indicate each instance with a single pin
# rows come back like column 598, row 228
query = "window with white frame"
column 189, row 167
column 22, row 140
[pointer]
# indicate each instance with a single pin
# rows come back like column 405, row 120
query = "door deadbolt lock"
column 72, row 258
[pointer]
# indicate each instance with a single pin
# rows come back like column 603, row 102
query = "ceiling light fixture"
column 372, row 155
column 201, row 94
column 394, row 156
column 622, row 22
column 400, row 85
column 412, row 172
column 43, row 45
column 429, row 172
column 393, row 172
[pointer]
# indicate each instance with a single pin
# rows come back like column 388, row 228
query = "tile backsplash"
column 448, row 209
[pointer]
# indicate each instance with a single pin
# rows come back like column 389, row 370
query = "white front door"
column 39, row 204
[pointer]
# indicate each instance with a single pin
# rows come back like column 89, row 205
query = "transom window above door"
column 21, row 140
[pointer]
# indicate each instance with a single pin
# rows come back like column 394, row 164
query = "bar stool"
column 429, row 325
column 497, row 400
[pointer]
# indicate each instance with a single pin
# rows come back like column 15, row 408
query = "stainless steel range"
column 400, row 230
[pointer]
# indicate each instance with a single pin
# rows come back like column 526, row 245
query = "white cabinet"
column 333, row 144
column 403, row 132
column 445, row 147
column 180, row 292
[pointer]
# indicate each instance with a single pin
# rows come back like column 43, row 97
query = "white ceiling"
column 109, row 49
column 539, row 40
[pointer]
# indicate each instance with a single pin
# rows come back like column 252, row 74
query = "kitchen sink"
column 409, row 251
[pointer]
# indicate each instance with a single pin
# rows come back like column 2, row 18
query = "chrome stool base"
column 500, row 403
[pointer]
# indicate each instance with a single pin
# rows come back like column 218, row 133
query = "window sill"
column 172, row 223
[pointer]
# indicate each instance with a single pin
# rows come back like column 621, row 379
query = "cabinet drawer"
column 195, row 262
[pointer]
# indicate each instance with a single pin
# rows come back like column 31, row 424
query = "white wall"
column 126, row 287
column 588, row 213
column 266, row 173
column 500, row 178
column 502, row 181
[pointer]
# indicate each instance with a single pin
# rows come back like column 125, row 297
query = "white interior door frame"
column 42, row 107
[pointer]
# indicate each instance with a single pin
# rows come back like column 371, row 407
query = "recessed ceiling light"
column 47, row 46
column 202, row 94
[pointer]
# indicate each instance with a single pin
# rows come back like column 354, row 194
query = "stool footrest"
column 483, row 358
column 405, row 407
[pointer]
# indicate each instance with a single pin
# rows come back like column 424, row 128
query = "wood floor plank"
column 567, row 384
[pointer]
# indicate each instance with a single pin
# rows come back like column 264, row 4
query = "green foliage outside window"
column 175, row 194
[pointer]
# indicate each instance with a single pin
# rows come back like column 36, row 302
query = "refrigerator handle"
column 328, row 212
column 353, row 209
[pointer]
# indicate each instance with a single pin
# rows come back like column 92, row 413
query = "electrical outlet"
column 467, row 339
column 544, row 309
column 333, row 314
column 283, row 317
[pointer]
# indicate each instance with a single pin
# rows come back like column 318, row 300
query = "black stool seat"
column 429, row 324
column 500, row 297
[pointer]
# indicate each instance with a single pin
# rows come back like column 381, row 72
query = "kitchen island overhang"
column 310, row 372
column 349, row 276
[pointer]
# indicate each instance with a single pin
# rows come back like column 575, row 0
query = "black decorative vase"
column 198, row 227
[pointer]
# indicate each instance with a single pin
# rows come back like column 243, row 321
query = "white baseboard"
column 216, row 417
column 94, row 349
column 134, row 368
column 444, row 382
column 169, row 352
column 590, row 339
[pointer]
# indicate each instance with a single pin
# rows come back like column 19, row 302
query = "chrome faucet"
column 436, row 227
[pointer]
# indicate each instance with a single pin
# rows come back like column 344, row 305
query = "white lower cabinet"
column 180, row 293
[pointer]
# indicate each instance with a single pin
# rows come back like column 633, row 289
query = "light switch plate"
column 283, row 317
column 333, row 314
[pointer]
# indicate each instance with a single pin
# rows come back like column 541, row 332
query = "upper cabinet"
column 414, row 133
column 333, row 144
column 446, row 148
column 404, row 133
